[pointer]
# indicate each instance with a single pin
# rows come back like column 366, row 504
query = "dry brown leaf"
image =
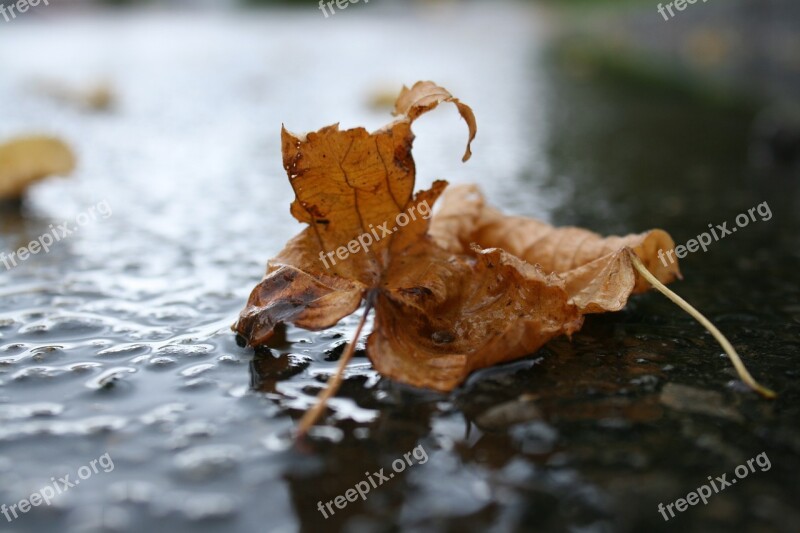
column 438, row 315
column 26, row 160
column 597, row 270
column 467, row 290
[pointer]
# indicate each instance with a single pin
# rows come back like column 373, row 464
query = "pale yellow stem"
column 312, row 415
column 727, row 346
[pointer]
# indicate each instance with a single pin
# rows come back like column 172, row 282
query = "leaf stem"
column 727, row 346
column 312, row 415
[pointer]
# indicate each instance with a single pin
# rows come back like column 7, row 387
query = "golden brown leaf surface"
column 347, row 184
column 442, row 307
column 26, row 160
column 448, row 315
column 597, row 271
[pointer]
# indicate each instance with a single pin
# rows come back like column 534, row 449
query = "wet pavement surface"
column 117, row 341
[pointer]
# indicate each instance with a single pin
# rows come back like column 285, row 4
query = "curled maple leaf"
column 467, row 290
column 439, row 315
column 347, row 184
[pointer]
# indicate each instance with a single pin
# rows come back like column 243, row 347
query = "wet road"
column 117, row 341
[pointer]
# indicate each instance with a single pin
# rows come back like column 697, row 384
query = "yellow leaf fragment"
column 26, row 160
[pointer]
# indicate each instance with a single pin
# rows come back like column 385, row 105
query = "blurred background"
column 600, row 114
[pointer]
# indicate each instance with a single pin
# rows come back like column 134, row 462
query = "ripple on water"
column 51, row 372
column 42, row 353
column 229, row 359
column 161, row 362
column 175, row 313
column 37, row 354
column 205, row 463
column 197, row 507
column 95, row 425
column 14, row 348
column 207, row 507
column 125, row 349
column 183, row 436
column 30, row 410
column 196, row 429
column 196, row 370
column 109, row 378
column 199, row 383
column 64, row 328
column 189, row 350
column 164, row 414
